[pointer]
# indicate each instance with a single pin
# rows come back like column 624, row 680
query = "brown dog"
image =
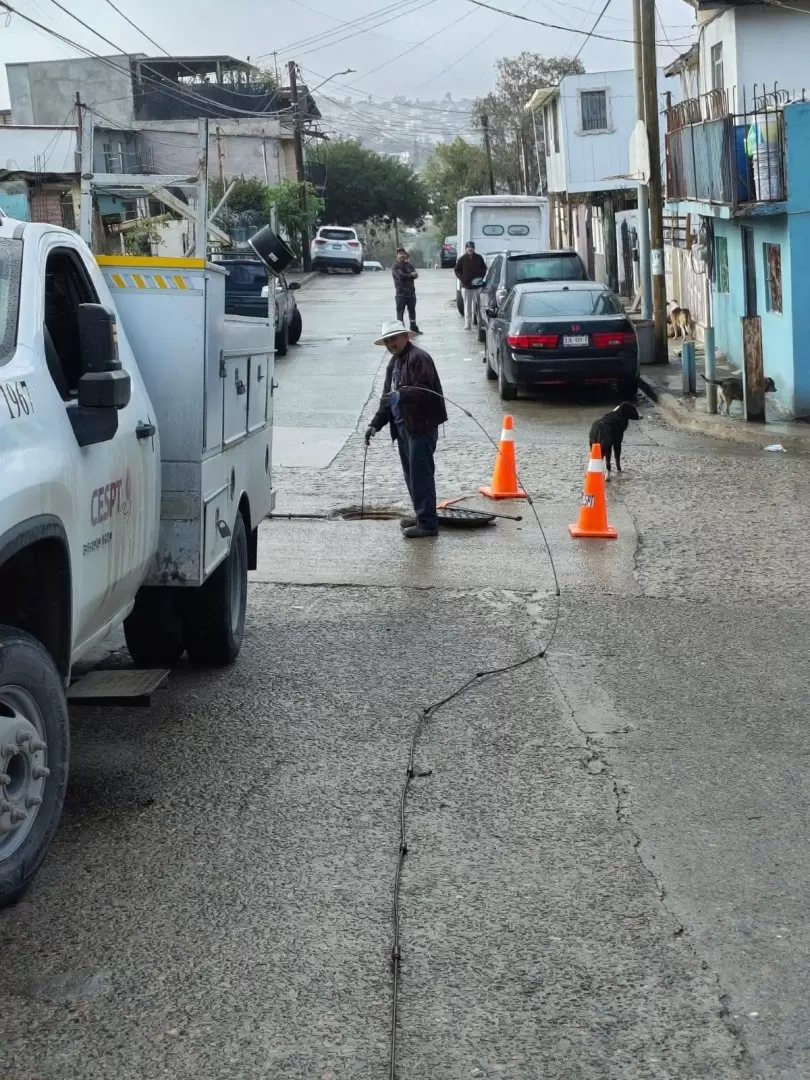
column 679, row 323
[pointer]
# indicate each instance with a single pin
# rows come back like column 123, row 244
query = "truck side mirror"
column 104, row 387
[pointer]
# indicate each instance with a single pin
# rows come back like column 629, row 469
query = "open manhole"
column 367, row 513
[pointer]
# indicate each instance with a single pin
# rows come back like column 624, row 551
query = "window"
column 506, row 309
column 721, row 263
column 547, row 304
column 10, row 263
column 773, row 277
column 66, row 286
column 548, row 268
column 337, row 234
column 716, row 64
column 494, row 273
column 492, row 230
column 555, row 126
column 518, row 230
column 593, row 106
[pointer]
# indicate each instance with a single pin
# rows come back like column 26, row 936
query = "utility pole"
column 655, row 187
column 86, row 203
column 201, row 216
column 488, row 149
column 220, row 161
column 299, row 162
column 643, row 200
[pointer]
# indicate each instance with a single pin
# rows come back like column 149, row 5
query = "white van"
column 516, row 223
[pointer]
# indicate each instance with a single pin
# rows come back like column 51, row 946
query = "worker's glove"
column 390, row 399
column 369, row 435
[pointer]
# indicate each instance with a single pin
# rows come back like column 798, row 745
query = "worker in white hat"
column 413, row 407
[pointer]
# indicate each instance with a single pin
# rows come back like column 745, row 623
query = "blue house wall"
column 785, row 335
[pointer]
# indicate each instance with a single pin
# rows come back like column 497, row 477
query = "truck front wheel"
column 153, row 631
column 214, row 617
column 34, row 755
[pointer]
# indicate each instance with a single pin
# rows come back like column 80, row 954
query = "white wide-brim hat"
column 393, row 329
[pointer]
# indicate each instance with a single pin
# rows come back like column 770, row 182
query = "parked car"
column 510, row 268
column 246, row 278
column 549, row 333
column 449, row 252
column 336, row 248
column 287, row 319
column 370, row 264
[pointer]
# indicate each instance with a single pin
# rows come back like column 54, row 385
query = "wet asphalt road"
column 606, row 875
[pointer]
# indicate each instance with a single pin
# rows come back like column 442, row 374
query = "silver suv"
column 336, row 247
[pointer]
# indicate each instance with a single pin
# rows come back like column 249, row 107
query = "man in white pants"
column 469, row 267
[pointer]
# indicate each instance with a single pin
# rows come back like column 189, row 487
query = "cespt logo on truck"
column 106, row 502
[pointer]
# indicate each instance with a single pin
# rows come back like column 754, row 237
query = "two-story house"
column 145, row 113
column 738, row 165
column 588, row 123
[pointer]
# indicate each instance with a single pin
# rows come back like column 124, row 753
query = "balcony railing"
column 717, row 156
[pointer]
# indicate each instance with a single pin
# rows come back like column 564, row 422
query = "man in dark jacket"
column 404, row 276
column 413, row 407
column 469, row 267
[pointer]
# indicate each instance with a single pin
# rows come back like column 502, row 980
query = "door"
column 486, row 297
column 499, row 328
column 114, row 483
column 749, row 270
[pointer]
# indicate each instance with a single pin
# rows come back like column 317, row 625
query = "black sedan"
column 552, row 333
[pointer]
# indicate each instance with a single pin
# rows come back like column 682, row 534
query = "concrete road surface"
column 606, row 875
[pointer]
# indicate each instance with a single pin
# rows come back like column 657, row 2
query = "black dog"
column 609, row 431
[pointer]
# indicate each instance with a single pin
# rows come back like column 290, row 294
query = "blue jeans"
column 416, row 454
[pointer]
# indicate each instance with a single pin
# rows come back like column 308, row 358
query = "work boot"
column 407, row 523
column 415, row 329
column 418, row 532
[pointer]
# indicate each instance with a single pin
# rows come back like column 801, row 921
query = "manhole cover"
column 460, row 518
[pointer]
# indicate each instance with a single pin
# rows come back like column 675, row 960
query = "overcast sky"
column 449, row 46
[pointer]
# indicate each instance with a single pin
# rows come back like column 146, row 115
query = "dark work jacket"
column 470, row 267
column 404, row 284
column 421, row 412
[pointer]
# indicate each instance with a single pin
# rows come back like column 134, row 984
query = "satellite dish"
column 640, row 153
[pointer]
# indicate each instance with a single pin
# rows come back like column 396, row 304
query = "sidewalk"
column 663, row 383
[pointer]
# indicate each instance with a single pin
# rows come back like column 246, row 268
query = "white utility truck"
column 135, row 452
column 515, row 223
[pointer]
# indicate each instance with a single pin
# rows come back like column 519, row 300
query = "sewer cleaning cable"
column 430, row 710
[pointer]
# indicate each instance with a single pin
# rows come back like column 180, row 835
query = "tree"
column 453, row 171
column 511, row 127
column 292, row 217
column 362, row 185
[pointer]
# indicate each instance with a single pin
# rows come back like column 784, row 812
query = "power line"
column 357, row 33
column 557, row 26
column 323, row 15
column 395, row 11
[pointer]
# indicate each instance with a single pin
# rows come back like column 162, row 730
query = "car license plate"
column 336, row 247
column 576, row 339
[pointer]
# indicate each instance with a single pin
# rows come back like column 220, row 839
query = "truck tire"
column 459, row 302
column 153, row 631
column 282, row 340
column 296, row 326
column 34, row 756
column 214, row 617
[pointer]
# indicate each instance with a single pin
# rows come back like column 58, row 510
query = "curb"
column 715, row 427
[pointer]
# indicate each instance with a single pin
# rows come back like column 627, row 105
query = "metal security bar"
column 716, row 156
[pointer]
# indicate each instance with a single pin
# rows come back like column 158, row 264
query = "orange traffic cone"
column 593, row 511
column 504, row 476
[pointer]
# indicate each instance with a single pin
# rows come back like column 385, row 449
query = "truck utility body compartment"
column 210, row 379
